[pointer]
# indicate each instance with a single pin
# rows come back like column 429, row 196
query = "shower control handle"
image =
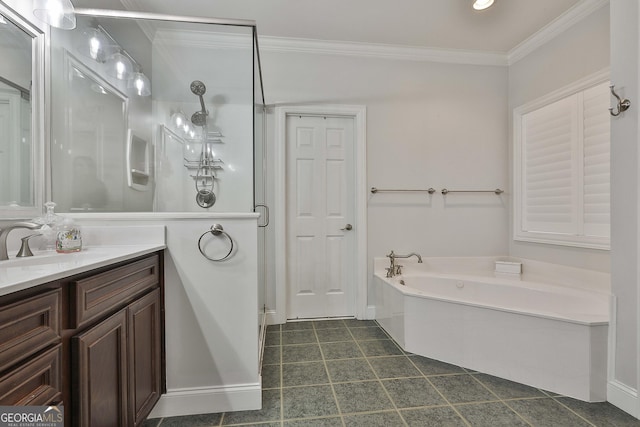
column 347, row 227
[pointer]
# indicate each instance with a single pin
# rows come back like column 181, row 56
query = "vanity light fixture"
column 57, row 13
column 482, row 4
column 119, row 65
column 140, row 83
column 95, row 44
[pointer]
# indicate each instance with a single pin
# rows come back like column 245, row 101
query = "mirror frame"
column 39, row 114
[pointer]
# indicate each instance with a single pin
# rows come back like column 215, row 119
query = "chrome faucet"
column 4, row 233
column 410, row 255
column 395, row 268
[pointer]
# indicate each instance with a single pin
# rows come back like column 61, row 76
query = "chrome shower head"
column 199, row 118
column 198, row 88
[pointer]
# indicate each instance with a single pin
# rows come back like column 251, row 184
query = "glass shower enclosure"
column 154, row 113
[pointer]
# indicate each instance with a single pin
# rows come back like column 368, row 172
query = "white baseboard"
column 370, row 313
column 624, row 397
column 272, row 318
column 206, row 400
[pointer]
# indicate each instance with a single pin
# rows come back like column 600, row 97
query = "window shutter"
column 596, row 187
column 550, row 137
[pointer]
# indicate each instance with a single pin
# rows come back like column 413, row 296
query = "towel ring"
column 216, row 230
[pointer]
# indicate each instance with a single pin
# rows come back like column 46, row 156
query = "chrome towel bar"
column 375, row 190
column 496, row 191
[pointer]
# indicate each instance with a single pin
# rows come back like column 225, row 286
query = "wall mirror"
column 21, row 116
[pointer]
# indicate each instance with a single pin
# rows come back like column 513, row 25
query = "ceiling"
column 443, row 24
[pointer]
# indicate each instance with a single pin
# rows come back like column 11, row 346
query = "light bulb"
column 482, row 4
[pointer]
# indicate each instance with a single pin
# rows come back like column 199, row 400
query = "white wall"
column 625, row 189
column 580, row 51
column 428, row 125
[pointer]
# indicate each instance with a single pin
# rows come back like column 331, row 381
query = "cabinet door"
column 145, row 347
column 99, row 372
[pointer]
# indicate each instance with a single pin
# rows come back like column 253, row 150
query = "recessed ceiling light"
column 482, row 4
column 2, row 21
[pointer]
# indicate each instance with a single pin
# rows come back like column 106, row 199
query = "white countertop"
column 17, row 274
column 103, row 245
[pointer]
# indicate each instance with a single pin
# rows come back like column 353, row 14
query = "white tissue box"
column 508, row 267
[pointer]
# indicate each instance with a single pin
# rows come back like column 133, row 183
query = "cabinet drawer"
column 28, row 326
column 37, row 382
column 98, row 295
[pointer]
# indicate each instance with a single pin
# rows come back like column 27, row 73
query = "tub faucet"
column 409, row 256
column 391, row 271
column 4, row 232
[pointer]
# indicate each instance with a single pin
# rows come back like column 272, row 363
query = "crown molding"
column 553, row 29
column 381, row 51
column 385, row 51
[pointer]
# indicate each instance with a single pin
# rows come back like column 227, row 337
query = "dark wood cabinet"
column 145, row 356
column 93, row 341
column 99, row 380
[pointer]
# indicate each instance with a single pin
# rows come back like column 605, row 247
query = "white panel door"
column 320, row 214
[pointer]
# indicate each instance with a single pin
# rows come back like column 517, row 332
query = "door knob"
column 347, row 227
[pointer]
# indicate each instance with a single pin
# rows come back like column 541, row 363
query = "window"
column 561, row 170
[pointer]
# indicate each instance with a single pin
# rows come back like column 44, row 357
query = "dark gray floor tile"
column 413, row 392
column 270, row 376
column 315, row 422
column 202, row 420
column 432, row 417
column 368, row 333
column 546, row 412
column 394, row 367
column 298, row 337
column 340, row 350
column 380, row 348
column 307, row 373
column 602, row 414
column 462, row 389
column 301, row 353
column 273, row 328
column 151, row 422
column 271, row 355
column 377, row 419
column 490, row 415
column 349, row 370
column 435, row 367
column 307, row 402
column 333, row 335
column 270, row 411
column 329, row 324
column 362, row 397
column 355, row 323
column 506, row 389
column 272, row 338
column 297, row 326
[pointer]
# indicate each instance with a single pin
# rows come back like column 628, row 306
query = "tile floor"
column 350, row 373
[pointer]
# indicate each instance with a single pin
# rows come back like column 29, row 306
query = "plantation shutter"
column 596, row 188
column 563, row 171
column 550, row 137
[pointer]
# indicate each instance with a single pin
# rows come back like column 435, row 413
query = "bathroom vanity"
column 91, row 341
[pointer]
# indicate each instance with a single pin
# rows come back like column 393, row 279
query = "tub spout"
column 409, row 256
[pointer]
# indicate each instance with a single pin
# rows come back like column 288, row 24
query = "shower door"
column 321, row 245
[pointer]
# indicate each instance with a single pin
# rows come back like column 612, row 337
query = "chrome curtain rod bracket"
column 623, row 103
column 496, row 191
column 375, row 190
